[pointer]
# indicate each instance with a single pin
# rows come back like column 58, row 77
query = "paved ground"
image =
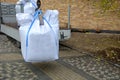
column 72, row 65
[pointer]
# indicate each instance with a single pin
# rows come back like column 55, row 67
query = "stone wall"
column 83, row 14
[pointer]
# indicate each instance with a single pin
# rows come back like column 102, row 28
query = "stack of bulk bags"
column 38, row 42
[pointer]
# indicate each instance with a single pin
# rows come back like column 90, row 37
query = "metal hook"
column 40, row 17
column 38, row 4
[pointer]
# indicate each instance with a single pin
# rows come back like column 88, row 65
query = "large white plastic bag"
column 29, row 8
column 42, row 40
column 26, row 6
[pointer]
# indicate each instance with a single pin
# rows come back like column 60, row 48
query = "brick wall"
column 83, row 14
column 9, row 1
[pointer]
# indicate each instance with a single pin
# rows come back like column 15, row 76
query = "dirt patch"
column 111, row 54
column 103, row 45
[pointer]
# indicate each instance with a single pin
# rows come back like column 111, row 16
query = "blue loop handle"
column 35, row 17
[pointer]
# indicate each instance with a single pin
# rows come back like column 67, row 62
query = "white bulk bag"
column 40, row 42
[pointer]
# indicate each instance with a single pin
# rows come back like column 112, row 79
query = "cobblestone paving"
column 98, row 69
column 7, row 43
column 16, row 71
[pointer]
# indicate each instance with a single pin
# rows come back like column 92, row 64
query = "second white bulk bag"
column 24, row 18
column 29, row 8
